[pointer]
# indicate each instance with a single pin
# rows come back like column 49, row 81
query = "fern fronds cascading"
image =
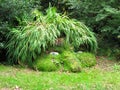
column 27, row 42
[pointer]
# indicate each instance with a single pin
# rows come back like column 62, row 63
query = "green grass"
column 88, row 79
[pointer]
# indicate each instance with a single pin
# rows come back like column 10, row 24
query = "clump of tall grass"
column 28, row 41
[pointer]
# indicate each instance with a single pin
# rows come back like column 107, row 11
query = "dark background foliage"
column 12, row 12
column 101, row 16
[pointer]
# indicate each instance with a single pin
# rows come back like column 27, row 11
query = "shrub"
column 86, row 59
column 13, row 11
column 3, row 31
column 116, row 53
column 102, row 17
column 29, row 41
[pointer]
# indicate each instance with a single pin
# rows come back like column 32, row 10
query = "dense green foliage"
column 12, row 13
column 29, row 41
column 3, row 31
column 16, row 21
column 101, row 16
column 32, row 31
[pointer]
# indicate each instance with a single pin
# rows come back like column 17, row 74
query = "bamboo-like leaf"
column 27, row 43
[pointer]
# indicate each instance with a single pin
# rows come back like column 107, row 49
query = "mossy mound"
column 47, row 62
column 66, row 61
column 86, row 59
column 70, row 61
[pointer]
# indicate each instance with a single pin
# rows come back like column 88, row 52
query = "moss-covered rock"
column 86, row 59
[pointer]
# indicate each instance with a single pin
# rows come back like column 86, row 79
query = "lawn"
column 104, row 76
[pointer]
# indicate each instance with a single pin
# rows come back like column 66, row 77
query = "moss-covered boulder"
column 86, row 59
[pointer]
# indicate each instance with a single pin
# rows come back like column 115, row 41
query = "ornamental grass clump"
column 26, row 43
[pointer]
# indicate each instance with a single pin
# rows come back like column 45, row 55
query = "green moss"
column 70, row 62
column 65, row 61
column 86, row 59
column 47, row 63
